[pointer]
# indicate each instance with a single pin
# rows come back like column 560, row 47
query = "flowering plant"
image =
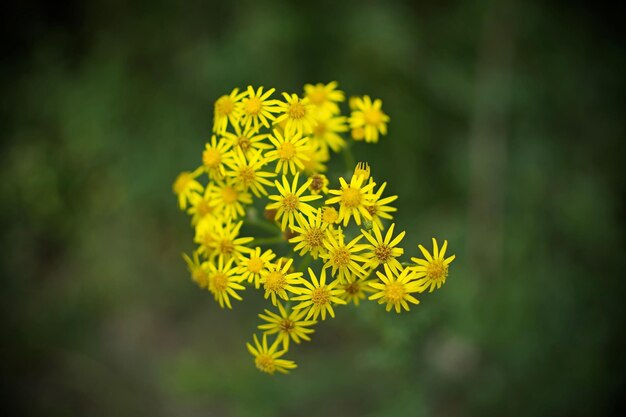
column 271, row 156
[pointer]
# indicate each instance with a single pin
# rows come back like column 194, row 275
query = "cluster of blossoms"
column 270, row 156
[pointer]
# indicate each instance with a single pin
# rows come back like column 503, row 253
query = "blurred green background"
column 506, row 138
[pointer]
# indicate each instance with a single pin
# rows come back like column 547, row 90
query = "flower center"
column 220, row 282
column 372, row 210
column 318, row 96
column 253, row 106
column 247, row 175
column 394, row 292
column 372, row 117
column 314, row 237
column 352, row 288
column 229, row 195
column 341, row 257
column 351, row 197
column 287, row 151
column 287, row 325
column 437, row 270
column 320, row 129
column 320, row 296
column 211, row 158
column 226, row 246
column 383, row 253
column 297, row 111
column 290, row 202
column 224, row 106
column 274, row 281
column 255, row 265
column 265, row 363
column 244, row 143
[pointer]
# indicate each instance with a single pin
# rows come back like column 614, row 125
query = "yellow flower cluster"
column 328, row 243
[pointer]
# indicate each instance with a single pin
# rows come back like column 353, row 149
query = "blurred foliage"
column 506, row 138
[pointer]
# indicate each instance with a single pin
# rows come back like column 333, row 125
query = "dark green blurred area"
column 506, row 138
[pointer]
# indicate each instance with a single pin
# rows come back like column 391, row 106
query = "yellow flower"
column 327, row 132
column 257, row 108
column 434, row 270
column 255, row 264
column 324, row 97
column 297, row 114
column 329, row 215
column 223, row 281
column 319, row 183
column 316, row 158
column 199, row 271
column 200, row 205
column 358, row 134
column 395, row 290
column 356, row 290
column 288, row 325
column 362, row 169
column 291, row 201
column 353, row 199
column 226, row 242
column 370, row 117
column 227, row 109
column 205, row 235
column 214, row 156
column 268, row 359
column 247, row 140
column 311, row 234
column 381, row 251
column 289, row 151
column 277, row 280
column 229, row 199
column 319, row 297
column 186, row 185
column 343, row 258
column 247, row 173
column 379, row 208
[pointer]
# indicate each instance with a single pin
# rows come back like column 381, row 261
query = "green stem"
column 267, row 226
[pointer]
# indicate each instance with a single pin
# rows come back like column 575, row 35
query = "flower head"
column 311, row 234
column 277, row 280
column 223, row 281
column 253, row 264
column 288, row 326
column 200, row 205
column 433, row 271
column 343, row 258
column 369, row 116
column 214, row 157
column 324, row 98
column 381, row 251
column 268, row 359
column 199, row 270
column 327, row 132
column 291, row 201
column 228, row 199
column 353, row 199
column 297, row 115
column 186, row 185
column 356, row 290
column 226, row 242
column 257, row 108
column 290, row 152
column 395, row 289
column 318, row 297
column 248, row 174
column 247, row 139
column 379, row 208
column 227, row 109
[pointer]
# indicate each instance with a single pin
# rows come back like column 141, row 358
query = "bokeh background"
column 506, row 138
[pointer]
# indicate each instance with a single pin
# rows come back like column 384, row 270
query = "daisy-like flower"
column 205, row 235
column 297, row 115
column 289, row 326
column 291, row 201
column 200, row 206
column 394, row 290
column 290, row 152
column 214, row 157
column 343, row 258
column 248, row 140
column 268, row 359
column 254, row 264
column 199, row 270
column 226, row 242
column 319, row 297
column 277, row 280
column 247, row 173
column 362, row 169
column 223, row 281
column 311, row 234
column 257, row 108
column 186, row 185
column 324, row 98
column 433, row 271
column 319, row 184
column 353, row 199
column 369, row 116
column 327, row 132
column 379, row 207
column 381, row 251
column 356, row 290
column 316, row 159
column 227, row 109
column 229, row 199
